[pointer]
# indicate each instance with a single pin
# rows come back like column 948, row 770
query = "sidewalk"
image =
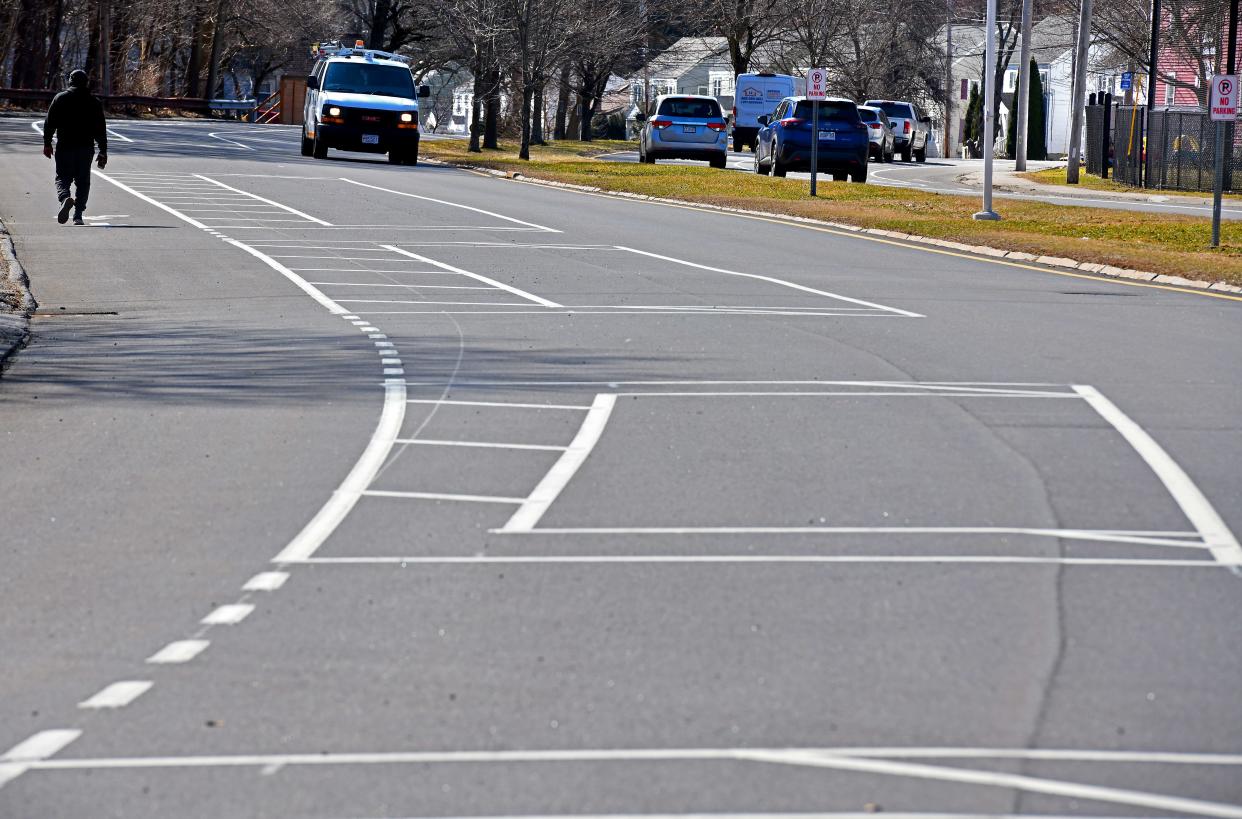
column 1007, row 179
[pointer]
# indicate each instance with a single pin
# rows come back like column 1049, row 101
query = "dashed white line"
column 480, row 444
column 179, row 651
column 502, row 404
column 294, row 211
column 266, row 581
column 444, row 496
column 450, row 268
column 117, row 695
column 452, row 205
column 229, row 614
column 16, row 761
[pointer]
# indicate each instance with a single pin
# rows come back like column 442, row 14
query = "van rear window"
column 698, row 109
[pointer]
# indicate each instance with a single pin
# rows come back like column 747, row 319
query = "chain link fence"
column 1181, row 151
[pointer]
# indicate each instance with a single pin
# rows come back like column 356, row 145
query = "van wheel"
column 738, row 143
column 319, row 150
column 308, row 145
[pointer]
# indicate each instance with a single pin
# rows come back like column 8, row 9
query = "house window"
column 1170, row 90
column 720, row 84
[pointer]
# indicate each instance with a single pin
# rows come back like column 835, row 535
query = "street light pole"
column 1024, row 90
column 989, row 115
column 1222, row 129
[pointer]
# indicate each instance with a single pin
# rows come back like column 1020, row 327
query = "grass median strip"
column 1173, row 245
column 1056, row 176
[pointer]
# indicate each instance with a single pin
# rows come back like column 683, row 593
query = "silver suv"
column 361, row 100
column 911, row 127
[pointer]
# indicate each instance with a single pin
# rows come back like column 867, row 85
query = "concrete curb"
column 14, row 321
column 1094, row 268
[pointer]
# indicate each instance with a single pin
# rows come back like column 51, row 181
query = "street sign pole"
column 1223, row 107
column 815, row 147
column 989, row 114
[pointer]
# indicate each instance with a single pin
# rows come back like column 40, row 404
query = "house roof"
column 687, row 53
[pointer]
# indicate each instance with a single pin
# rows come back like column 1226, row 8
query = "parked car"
column 911, row 127
column 684, row 126
column 785, row 139
column 880, row 130
column 360, row 99
column 755, row 95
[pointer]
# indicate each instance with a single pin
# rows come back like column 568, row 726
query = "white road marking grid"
column 1209, row 534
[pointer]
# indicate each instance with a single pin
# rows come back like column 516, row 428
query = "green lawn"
column 1176, row 245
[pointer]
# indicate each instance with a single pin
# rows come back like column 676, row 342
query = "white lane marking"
column 1194, row 505
column 425, row 301
column 452, row 205
column 760, row 559
column 839, row 759
column 773, row 280
column 503, row 404
column 534, row 507
column 411, row 286
column 294, row 211
column 118, row 694
column 16, row 761
column 301, row 283
column 507, row 287
column 266, row 581
column 388, row 360
column 841, row 394
column 230, row 614
column 394, row 371
column 629, row 314
column 480, row 444
column 150, row 201
column 179, row 651
column 214, row 135
column 1103, row 536
column 444, row 496
column 118, row 135
column 359, row 478
column 335, row 258
column 678, row 382
column 1019, row 782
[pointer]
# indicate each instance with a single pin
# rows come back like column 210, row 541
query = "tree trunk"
column 194, row 64
column 476, row 109
column 29, row 59
column 491, row 112
column 379, row 24
column 562, row 104
column 213, row 59
column 53, row 62
column 536, row 119
column 527, row 95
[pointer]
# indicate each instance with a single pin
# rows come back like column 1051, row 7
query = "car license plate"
column 828, row 135
column 370, row 139
column 689, row 129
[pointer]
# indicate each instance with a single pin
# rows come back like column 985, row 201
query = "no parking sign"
column 817, row 84
column 1223, row 101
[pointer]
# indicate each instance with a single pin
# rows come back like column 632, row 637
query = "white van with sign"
column 757, row 95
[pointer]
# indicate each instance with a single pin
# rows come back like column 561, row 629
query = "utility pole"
column 1155, row 57
column 1080, row 92
column 1024, row 90
column 948, row 78
column 989, row 115
column 646, row 57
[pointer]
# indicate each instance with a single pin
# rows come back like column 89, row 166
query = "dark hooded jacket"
column 78, row 117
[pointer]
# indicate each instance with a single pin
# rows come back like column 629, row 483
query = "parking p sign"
column 817, row 84
column 1223, row 101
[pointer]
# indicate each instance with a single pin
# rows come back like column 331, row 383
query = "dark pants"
column 73, row 166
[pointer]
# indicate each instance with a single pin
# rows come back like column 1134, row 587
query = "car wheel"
column 839, row 176
column 721, row 161
column 308, row 145
column 319, row 150
column 395, row 157
column 858, row 176
column 648, row 158
column 774, row 163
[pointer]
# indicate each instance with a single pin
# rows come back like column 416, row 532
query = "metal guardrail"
column 136, row 101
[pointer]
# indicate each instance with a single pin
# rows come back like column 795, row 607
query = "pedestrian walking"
column 76, row 117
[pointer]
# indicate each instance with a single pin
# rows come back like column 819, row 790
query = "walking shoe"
column 77, row 219
column 63, row 215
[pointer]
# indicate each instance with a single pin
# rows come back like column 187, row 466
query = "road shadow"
column 75, row 357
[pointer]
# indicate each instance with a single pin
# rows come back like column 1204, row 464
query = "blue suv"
column 784, row 142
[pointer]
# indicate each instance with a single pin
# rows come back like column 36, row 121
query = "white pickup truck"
column 911, row 127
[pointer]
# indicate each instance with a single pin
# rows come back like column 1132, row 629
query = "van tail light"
column 790, row 122
column 716, row 126
column 661, row 124
column 907, row 128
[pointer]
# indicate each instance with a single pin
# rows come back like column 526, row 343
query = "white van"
column 754, row 96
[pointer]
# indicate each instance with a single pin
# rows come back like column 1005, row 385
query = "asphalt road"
column 963, row 177
column 338, row 489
